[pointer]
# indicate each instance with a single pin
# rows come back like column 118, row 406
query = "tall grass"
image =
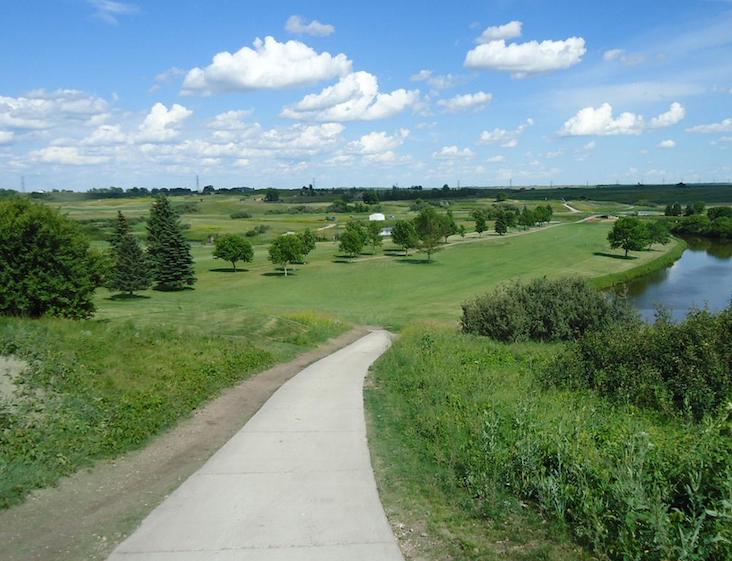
column 628, row 483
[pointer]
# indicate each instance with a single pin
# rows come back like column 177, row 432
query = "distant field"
column 388, row 290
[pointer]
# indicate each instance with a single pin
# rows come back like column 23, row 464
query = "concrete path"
column 295, row 484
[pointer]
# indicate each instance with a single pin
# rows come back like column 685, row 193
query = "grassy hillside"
column 388, row 290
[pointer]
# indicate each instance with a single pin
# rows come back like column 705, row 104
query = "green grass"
column 468, row 442
column 386, row 290
column 96, row 389
column 660, row 262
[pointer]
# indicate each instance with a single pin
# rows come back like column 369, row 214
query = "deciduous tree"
column 629, row 234
column 233, row 248
column 285, row 250
column 404, row 235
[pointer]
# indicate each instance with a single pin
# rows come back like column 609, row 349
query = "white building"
column 376, row 217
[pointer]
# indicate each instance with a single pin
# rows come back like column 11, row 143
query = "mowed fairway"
column 387, row 290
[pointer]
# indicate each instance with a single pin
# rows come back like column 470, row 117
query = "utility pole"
column 198, row 186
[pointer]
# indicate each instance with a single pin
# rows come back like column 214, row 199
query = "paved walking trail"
column 295, row 484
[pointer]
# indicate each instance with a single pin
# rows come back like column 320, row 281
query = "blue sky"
column 98, row 92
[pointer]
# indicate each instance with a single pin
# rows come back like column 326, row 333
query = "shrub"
column 628, row 484
column 46, row 266
column 543, row 310
column 257, row 230
column 673, row 367
column 240, row 214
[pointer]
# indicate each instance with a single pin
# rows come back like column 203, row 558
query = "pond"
column 701, row 277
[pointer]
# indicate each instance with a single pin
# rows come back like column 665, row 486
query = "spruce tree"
column 130, row 269
column 169, row 252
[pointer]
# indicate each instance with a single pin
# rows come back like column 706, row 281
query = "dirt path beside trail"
column 89, row 513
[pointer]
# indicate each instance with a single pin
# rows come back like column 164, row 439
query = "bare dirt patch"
column 89, row 513
column 10, row 368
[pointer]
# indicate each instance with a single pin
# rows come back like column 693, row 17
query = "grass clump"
column 543, row 310
column 626, row 483
column 683, row 367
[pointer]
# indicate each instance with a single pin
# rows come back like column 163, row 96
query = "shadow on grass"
column 122, row 297
column 279, row 273
column 613, row 255
column 166, row 289
column 228, row 270
column 415, row 260
column 343, row 259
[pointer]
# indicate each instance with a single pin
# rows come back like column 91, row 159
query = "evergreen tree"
column 169, row 252
column 501, row 227
column 130, row 269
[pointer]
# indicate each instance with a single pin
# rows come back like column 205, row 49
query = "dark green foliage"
column 448, row 226
column 628, row 484
column 271, row 195
column 430, row 227
column 46, row 266
column 353, row 239
column 308, row 241
column 257, row 230
column 658, row 232
column 96, row 390
column 233, row 248
column 480, row 224
column 130, row 269
column 704, row 225
column 501, row 227
column 240, row 214
column 628, row 233
column 527, row 218
column 373, row 234
column 287, row 249
column 719, row 212
column 543, row 310
column 167, row 248
column 186, row 208
column 683, row 367
column 673, row 210
column 404, row 235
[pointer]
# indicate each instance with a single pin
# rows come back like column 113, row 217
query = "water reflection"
column 702, row 277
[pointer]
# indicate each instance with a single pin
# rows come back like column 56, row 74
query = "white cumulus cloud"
column 269, row 65
column 724, row 125
column 162, row 124
column 470, row 101
column 6, row 137
column 437, row 81
column 600, row 121
column 355, row 97
column 299, row 26
column 66, row 155
column 375, row 142
column 507, row 137
column 667, row 144
column 508, row 30
column 523, row 59
column 452, row 152
column 674, row 114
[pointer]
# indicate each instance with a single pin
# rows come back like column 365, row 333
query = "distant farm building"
column 376, row 217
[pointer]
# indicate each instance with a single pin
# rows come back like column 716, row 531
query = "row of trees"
column 508, row 216
column 675, row 209
column 284, row 250
column 716, row 223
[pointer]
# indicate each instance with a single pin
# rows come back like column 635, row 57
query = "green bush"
column 543, row 310
column 673, row 367
column 628, row 483
column 46, row 266
column 240, row 214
